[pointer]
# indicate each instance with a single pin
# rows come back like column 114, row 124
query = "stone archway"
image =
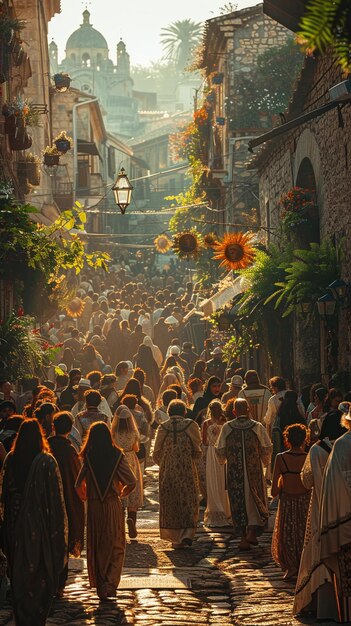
column 309, row 347
column 307, row 148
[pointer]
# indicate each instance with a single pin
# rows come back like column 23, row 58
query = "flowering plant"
column 23, row 111
column 296, row 206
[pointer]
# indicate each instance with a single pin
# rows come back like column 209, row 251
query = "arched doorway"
column 309, row 231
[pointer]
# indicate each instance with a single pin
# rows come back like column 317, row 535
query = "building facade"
column 232, row 46
column 312, row 150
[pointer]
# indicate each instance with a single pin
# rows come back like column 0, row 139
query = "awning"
column 88, row 147
column 238, row 286
column 285, row 12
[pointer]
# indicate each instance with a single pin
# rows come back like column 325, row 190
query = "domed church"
column 93, row 72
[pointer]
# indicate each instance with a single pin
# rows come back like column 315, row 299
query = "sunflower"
column 235, row 250
column 75, row 308
column 162, row 244
column 186, row 244
column 210, row 240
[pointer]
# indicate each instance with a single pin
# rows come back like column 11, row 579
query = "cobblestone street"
column 210, row 584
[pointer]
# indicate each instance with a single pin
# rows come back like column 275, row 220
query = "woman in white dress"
column 217, row 511
column 126, row 435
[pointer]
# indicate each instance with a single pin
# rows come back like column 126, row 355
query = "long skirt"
column 105, row 544
column 289, row 530
column 218, row 508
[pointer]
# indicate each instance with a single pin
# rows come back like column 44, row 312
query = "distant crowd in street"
column 132, row 387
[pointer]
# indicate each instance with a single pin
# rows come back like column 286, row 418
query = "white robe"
column 335, row 517
column 313, row 575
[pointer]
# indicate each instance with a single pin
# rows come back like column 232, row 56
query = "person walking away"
column 217, row 511
column 69, row 466
column 335, row 519
column 161, row 414
column 236, row 383
column 34, row 525
column 288, row 414
column 277, row 385
column 177, row 446
column 125, row 434
column 105, row 469
column 294, row 498
column 315, row 417
column 216, row 366
column 314, row 593
column 256, row 395
column 91, row 414
column 67, row 396
column 244, row 444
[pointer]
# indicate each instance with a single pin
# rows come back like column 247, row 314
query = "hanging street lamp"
column 122, row 190
column 326, row 306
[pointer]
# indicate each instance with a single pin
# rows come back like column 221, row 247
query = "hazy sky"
column 138, row 22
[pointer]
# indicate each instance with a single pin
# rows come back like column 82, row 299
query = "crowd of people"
column 130, row 389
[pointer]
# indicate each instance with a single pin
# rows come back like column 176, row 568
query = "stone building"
column 89, row 169
column 312, row 150
column 92, row 71
column 24, row 74
column 231, row 47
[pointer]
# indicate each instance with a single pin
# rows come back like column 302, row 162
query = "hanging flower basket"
column 63, row 142
column 62, row 82
column 187, row 244
column 235, row 251
column 63, row 145
column 19, row 139
column 51, row 159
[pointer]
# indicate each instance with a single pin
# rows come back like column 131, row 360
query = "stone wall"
column 326, row 142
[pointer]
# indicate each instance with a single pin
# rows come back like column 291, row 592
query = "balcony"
column 63, row 195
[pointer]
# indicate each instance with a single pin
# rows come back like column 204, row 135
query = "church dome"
column 86, row 36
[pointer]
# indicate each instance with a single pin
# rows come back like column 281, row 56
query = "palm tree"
column 179, row 40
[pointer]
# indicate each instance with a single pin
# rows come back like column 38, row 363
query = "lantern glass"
column 122, row 190
column 339, row 289
column 326, row 305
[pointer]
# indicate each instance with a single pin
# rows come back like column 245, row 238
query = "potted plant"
column 19, row 114
column 51, row 156
column 9, row 27
column 62, row 82
column 299, row 215
column 63, row 142
column 28, row 168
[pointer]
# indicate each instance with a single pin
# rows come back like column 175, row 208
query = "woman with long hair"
column 126, row 435
column 288, row 413
column 115, row 344
column 212, row 390
column 133, row 388
column 169, row 362
column 294, row 499
column 199, row 370
column 145, row 360
column 104, row 470
column 34, row 524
